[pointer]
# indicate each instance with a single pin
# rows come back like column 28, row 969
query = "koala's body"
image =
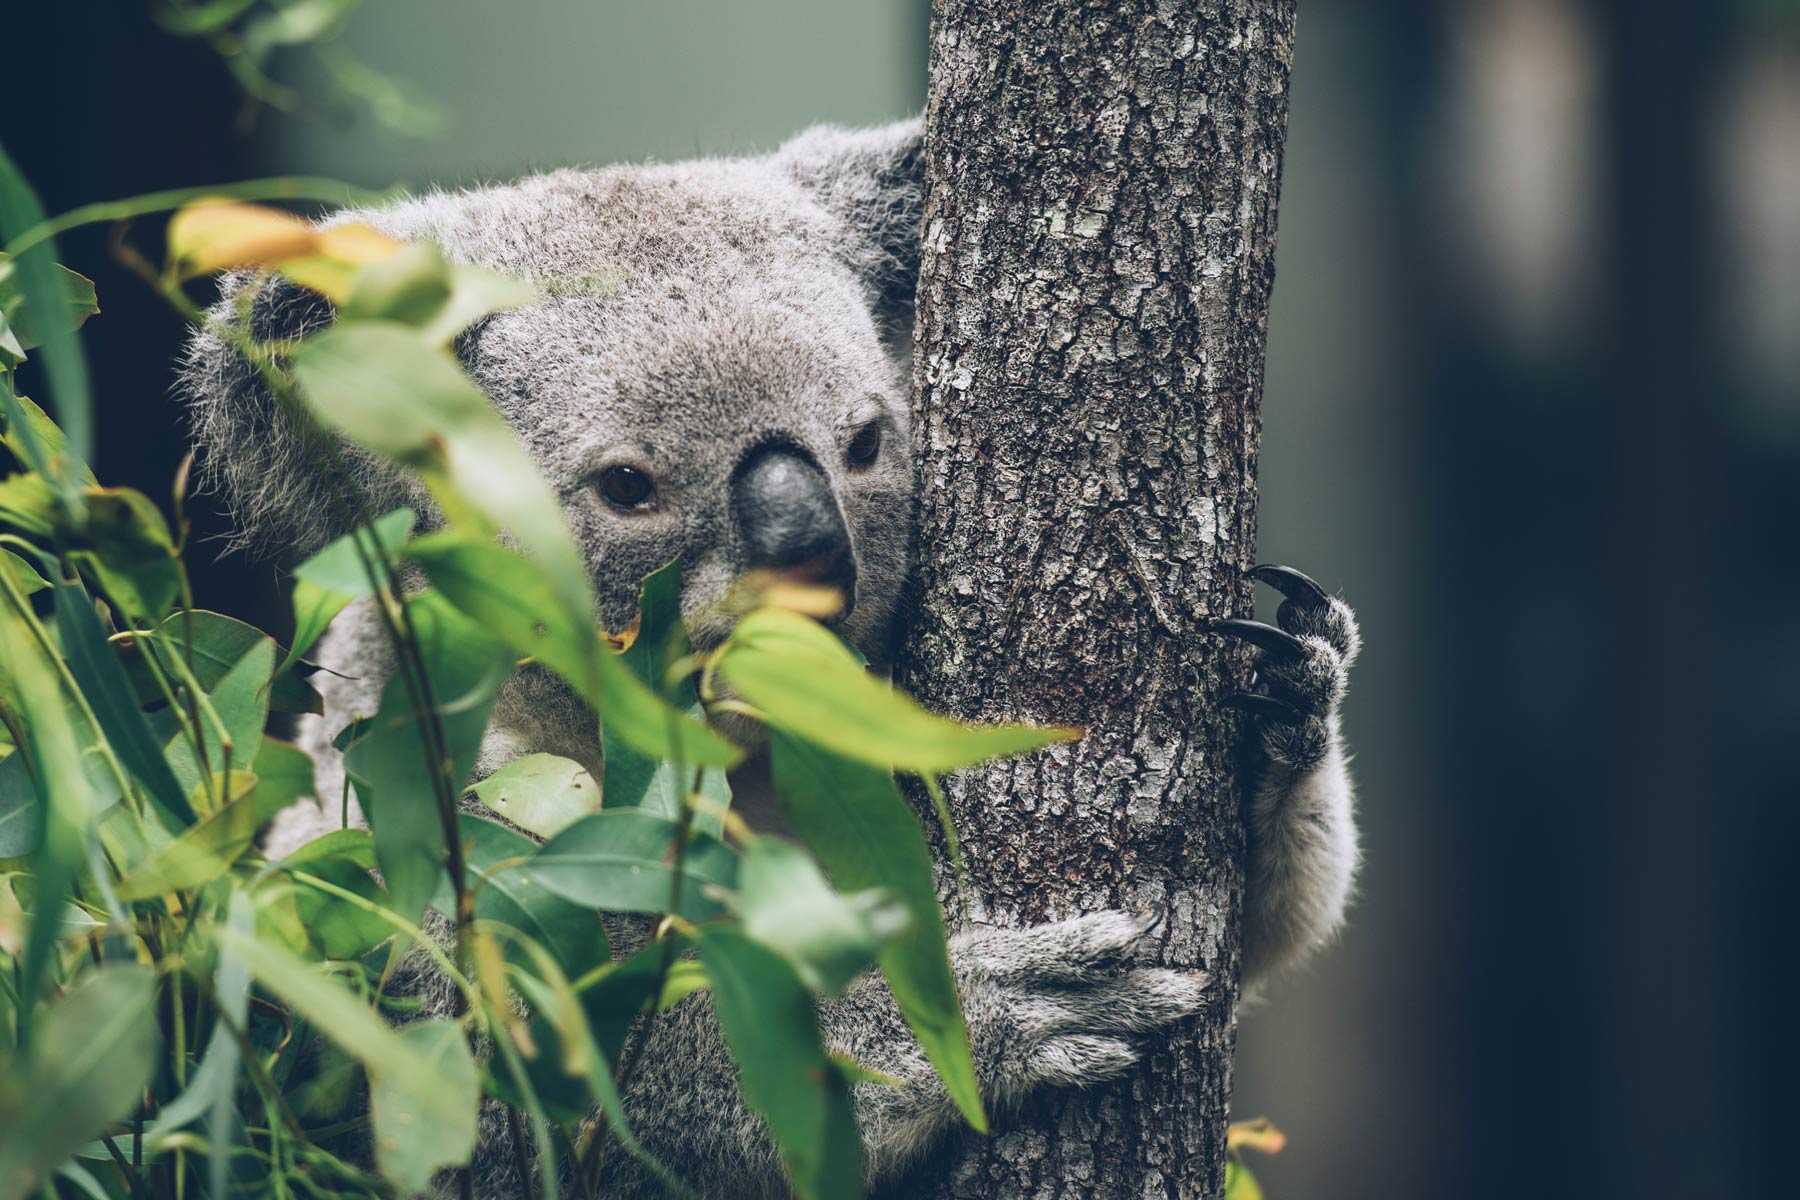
column 719, row 372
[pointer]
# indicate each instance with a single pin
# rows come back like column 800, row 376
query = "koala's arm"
column 1301, row 824
column 1052, row 1006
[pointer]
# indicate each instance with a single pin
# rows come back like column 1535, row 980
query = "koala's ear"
column 270, row 468
column 874, row 179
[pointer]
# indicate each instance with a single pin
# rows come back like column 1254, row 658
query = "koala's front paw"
column 1303, row 668
column 1055, row 1006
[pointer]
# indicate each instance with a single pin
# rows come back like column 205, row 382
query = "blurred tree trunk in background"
column 1099, row 246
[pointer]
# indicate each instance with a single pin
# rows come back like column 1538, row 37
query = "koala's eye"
column 627, row 488
column 865, row 446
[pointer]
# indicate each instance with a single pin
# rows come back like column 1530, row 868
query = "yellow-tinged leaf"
column 1259, row 1134
column 357, row 244
column 1240, row 1184
column 216, row 234
column 803, row 680
column 206, row 851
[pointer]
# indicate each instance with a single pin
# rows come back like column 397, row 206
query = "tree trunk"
column 1099, row 242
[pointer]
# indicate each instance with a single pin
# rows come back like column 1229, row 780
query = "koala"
column 719, row 371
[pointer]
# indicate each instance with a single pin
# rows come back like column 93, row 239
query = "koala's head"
column 717, row 371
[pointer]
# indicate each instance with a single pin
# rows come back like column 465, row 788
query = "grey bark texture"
column 1099, row 242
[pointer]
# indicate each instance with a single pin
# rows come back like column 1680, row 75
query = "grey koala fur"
column 694, row 312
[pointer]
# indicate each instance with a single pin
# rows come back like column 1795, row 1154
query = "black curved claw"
column 1258, row 705
column 1272, row 641
column 1299, row 589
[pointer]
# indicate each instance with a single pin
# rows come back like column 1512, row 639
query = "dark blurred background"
column 1533, row 404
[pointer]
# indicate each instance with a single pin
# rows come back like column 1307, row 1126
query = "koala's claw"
column 1298, row 588
column 1302, row 670
column 1270, row 708
column 1277, row 644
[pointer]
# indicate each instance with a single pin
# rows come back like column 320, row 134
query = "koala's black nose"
column 789, row 520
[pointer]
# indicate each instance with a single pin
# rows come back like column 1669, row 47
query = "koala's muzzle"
column 789, row 520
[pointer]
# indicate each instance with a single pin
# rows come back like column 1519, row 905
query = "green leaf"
column 866, row 835
column 325, row 583
column 92, row 1054
column 283, row 773
column 127, row 550
column 316, row 922
column 786, row 905
column 95, row 667
column 40, row 430
column 29, row 580
column 28, row 504
column 21, row 824
column 806, row 682
column 219, row 643
column 206, row 851
column 37, row 279
column 771, row 1028
column 412, row 1138
column 656, row 783
column 416, row 287
column 541, row 793
column 507, row 594
column 1240, row 1184
column 426, row 1080
column 355, row 845
column 397, row 781
column 241, row 701
column 510, row 896
column 620, row 862
column 71, row 309
column 54, row 740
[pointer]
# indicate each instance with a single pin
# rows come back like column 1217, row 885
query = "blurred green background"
column 1533, row 404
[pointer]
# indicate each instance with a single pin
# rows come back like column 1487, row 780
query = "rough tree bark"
column 1099, row 243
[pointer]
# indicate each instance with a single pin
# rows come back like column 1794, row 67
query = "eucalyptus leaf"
column 57, row 742
column 621, row 862
column 508, row 594
column 659, row 784
column 328, row 581
column 829, row 939
column 505, row 894
column 771, row 1028
column 241, row 701
column 400, row 785
column 318, row 923
column 541, row 793
column 427, row 1077
column 866, row 835
column 70, row 308
column 426, row 1119
column 35, row 275
column 126, row 549
column 807, row 683
column 92, row 1054
column 94, row 665
column 218, row 643
column 203, row 853
column 29, row 580
column 21, row 822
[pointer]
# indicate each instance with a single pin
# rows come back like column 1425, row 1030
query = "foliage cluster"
column 180, row 1015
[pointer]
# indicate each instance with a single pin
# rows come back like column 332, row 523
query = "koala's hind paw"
column 1303, row 668
column 1055, row 1005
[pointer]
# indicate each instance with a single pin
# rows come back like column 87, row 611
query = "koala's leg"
column 1302, row 829
column 1052, row 1006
